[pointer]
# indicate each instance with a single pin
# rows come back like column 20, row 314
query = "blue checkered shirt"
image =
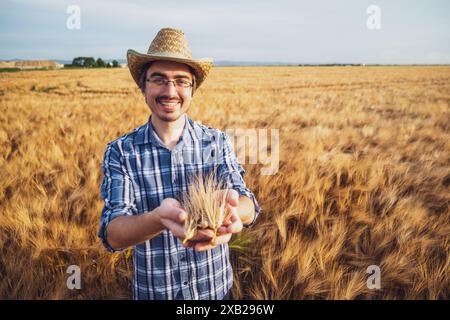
column 138, row 173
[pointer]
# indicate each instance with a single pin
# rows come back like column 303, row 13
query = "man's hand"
column 232, row 224
column 173, row 217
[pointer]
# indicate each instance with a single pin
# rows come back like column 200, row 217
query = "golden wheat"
column 364, row 179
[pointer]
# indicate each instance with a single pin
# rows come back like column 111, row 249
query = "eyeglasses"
column 179, row 83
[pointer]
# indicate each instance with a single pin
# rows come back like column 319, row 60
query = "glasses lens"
column 157, row 81
column 182, row 83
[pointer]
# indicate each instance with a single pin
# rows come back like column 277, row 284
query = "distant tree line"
column 89, row 62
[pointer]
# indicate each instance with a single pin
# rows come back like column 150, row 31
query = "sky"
column 256, row 30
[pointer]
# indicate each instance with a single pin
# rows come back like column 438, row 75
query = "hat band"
column 170, row 55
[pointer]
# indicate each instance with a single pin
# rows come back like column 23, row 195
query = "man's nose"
column 170, row 89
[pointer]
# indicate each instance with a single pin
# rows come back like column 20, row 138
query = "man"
column 146, row 170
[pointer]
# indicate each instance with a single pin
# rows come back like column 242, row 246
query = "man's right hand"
column 173, row 217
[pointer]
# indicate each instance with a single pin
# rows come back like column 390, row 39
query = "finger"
column 225, row 238
column 227, row 220
column 222, row 230
column 203, row 235
column 175, row 214
column 202, row 246
column 177, row 229
column 172, row 202
column 232, row 198
column 232, row 211
column 179, row 216
column 188, row 244
column 235, row 227
column 182, row 216
column 236, row 224
column 229, row 211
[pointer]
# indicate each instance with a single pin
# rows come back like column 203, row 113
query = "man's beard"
column 169, row 117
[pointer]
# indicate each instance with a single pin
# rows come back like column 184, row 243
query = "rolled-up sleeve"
column 116, row 191
column 232, row 173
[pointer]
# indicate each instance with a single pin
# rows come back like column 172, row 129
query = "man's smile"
column 167, row 104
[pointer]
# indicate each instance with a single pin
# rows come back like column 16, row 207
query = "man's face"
column 168, row 102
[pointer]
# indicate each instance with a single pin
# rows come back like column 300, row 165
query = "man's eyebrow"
column 182, row 76
column 159, row 74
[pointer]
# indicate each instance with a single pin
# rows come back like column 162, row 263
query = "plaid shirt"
column 139, row 172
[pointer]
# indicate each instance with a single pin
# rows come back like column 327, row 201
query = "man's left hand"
column 232, row 224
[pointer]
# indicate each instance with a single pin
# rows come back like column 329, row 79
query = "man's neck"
column 169, row 132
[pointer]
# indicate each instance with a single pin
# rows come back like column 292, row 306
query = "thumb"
column 232, row 197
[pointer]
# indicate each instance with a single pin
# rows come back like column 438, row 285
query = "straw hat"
column 170, row 45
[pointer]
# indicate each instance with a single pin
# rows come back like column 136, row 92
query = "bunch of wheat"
column 204, row 203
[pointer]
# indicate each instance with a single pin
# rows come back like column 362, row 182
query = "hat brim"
column 137, row 60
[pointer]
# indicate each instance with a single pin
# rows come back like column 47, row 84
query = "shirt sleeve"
column 116, row 190
column 232, row 173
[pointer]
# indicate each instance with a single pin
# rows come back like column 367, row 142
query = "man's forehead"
column 169, row 68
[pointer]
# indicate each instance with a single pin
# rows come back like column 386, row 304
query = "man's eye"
column 182, row 82
column 157, row 81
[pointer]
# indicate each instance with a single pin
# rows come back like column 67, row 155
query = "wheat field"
column 363, row 179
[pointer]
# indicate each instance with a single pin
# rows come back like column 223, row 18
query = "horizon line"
column 229, row 63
